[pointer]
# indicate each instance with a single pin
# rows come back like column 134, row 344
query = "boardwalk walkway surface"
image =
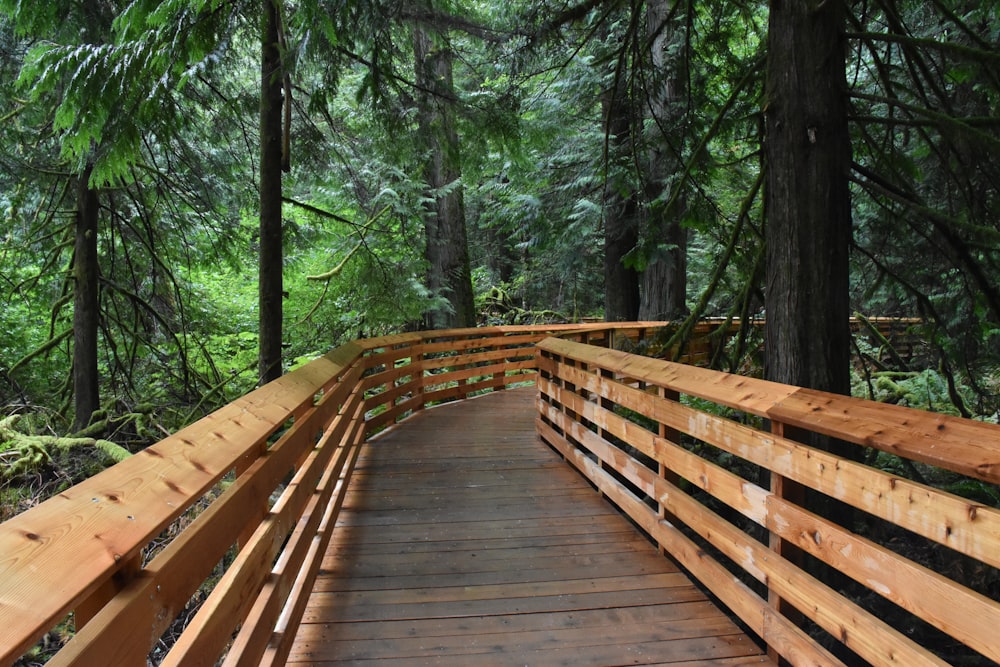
column 466, row 541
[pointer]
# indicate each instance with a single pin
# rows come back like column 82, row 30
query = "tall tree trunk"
column 447, row 248
column 86, row 304
column 808, row 234
column 808, row 201
column 621, row 211
column 664, row 280
column 270, row 286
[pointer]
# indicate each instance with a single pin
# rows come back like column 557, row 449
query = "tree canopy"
column 448, row 163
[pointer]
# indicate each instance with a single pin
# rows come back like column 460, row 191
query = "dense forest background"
column 200, row 194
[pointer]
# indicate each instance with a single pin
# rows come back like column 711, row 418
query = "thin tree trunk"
column 86, row 304
column 270, row 286
column 808, row 201
column 447, row 250
column 664, row 280
column 621, row 212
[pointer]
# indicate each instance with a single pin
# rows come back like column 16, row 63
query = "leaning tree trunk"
column 621, row 210
column 447, row 249
column 808, row 201
column 270, row 285
column 664, row 280
column 86, row 304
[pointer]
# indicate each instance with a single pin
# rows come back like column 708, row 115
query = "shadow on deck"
column 466, row 540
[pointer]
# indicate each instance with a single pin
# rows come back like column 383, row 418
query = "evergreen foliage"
column 562, row 119
column 161, row 98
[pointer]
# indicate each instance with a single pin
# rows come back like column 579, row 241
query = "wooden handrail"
column 267, row 472
column 607, row 412
column 247, row 497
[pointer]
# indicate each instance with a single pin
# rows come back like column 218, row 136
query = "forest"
column 199, row 195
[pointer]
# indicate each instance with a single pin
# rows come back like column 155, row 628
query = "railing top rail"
column 961, row 445
column 61, row 550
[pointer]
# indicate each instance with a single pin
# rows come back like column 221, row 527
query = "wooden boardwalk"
column 466, row 541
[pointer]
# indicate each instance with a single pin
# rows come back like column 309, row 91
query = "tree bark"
column 808, row 231
column 447, row 250
column 664, row 280
column 86, row 304
column 808, row 200
column 621, row 210
column 271, row 254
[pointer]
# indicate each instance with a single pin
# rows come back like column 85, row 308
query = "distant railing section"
column 713, row 467
column 243, row 500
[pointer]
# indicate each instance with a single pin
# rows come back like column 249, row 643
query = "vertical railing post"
column 419, row 377
column 568, row 386
column 499, row 378
column 671, row 435
column 259, row 510
column 603, row 374
column 785, row 489
column 89, row 608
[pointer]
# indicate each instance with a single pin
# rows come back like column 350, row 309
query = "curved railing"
column 713, row 467
column 239, row 502
column 238, row 507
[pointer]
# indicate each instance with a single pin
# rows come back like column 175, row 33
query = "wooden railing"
column 240, row 504
column 234, row 512
column 713, row 467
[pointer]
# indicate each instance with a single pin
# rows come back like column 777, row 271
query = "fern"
column 106, row 96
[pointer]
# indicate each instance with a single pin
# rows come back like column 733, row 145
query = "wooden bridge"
column 329, row 518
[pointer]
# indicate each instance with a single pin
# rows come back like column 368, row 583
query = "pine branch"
column 879, row 185
column 941, row 120
column 317, row 211
column 970, row 121
column 969, row 32
column 946, row 227
column 748, row 78
column 978, row 55
column 684, row 331
column 335, row 271
column 48, row 345
column 444, row 22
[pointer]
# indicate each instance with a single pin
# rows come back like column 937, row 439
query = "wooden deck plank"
column 465, row 540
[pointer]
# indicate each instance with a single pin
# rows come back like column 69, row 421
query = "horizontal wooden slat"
column 945, row 604
column 961, row 445
column 390, row 376
column 388, row 396
column 870, row 637
column 970, row 528
column 57, row 553
column 479, row 357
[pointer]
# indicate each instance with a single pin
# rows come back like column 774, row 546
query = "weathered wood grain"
column 54, row 555
column 518, row 531
column 484, row 548
column 586, row 393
